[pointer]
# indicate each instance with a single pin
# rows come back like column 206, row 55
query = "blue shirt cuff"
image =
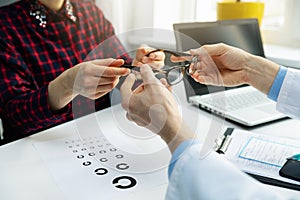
column 276, row 86
column 178, row 152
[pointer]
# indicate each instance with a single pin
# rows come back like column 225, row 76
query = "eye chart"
column 105, row 157
column 93, row 168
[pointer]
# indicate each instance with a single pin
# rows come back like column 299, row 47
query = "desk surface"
column 24, row 175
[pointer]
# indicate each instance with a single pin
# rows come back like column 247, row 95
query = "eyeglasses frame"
column 184, row 69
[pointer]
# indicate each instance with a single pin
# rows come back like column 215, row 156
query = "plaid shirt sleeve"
column 24, row 105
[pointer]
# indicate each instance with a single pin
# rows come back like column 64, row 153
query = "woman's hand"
column 155, row 60
column 92, row 79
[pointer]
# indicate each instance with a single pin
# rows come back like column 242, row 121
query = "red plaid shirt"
column 31, row 56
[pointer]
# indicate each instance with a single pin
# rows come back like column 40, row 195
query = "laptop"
column 243, row 104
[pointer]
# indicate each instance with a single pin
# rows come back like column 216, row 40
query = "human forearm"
column 174, row 139
column 59, row 93
column 260, row 73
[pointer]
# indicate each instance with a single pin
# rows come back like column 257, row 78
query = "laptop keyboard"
column 233, row 102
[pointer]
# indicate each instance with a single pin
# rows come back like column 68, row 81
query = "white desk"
column 25, row 176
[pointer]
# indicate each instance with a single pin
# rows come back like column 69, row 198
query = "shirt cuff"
column 178, row 152
column 276, row 86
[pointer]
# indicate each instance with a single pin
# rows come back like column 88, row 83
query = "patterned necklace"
column 38, row 11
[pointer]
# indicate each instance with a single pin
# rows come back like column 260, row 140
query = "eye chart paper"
column 95, row 169
column 108, row 157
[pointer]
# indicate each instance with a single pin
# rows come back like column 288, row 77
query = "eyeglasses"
column 173, row 72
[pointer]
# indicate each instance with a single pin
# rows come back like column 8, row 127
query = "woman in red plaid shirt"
column 43, row 47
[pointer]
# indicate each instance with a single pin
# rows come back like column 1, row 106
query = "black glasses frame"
column 182, row 66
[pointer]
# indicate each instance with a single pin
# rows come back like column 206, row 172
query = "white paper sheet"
column 95, row 169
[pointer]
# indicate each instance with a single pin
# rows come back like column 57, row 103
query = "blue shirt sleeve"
column 178, row 152
column 276, row 86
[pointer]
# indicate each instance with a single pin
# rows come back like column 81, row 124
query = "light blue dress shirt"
column 276, row 86
column 178, row 152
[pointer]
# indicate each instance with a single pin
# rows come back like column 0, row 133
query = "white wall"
column 288, row 33
column 128, row 15
column 148, row 21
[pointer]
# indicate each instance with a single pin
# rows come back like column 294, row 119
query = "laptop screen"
column 241, row 33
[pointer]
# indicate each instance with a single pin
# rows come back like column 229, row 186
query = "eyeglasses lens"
column 174, row 76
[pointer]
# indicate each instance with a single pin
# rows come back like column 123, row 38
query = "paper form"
column 267, row 152
column 261, row 154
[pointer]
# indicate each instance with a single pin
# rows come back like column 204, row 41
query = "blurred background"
column 280, row 23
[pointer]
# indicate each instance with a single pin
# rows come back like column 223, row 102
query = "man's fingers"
column 180, row 58
column 126, row 90
column 156, row 56
column 148, row 75
column 141, row 51
column 212, row 50
column 166, row 84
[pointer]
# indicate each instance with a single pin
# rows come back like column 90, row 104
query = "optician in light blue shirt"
column 191, row 175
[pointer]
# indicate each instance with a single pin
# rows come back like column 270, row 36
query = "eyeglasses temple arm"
column 175, row 53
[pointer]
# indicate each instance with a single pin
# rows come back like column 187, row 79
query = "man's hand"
column 153, row 106
column 224, row 65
